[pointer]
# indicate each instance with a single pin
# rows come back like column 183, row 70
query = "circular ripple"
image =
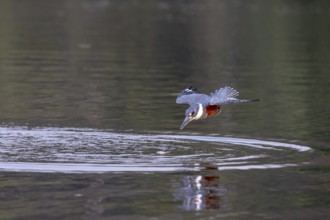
column 87, row 150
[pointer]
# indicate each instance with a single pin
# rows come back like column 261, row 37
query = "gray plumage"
column 225, row 95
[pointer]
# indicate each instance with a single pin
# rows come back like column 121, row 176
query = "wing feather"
column 191, row 95
column 226, row 95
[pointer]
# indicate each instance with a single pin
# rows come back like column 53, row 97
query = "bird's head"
column 192, row 113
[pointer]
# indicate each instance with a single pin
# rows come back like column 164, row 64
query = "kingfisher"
column 205, row 106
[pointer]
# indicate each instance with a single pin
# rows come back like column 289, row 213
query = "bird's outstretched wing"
column 190, row 96
column 226, row 95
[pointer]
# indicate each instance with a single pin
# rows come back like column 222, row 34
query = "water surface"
column 89, row 127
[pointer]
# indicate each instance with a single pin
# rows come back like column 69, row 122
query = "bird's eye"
column 192, row 114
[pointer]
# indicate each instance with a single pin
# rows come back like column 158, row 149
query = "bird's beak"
column 185, row 122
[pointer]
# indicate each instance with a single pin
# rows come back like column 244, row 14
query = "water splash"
column 93, row 151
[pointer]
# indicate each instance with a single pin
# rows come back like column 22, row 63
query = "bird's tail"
column 245, row 100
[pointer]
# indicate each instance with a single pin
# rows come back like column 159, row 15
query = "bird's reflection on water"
column 191, row 191
column 202, row 191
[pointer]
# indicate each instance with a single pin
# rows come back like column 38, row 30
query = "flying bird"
column 205, row 106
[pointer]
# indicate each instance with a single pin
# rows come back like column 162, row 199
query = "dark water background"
column 89, row 127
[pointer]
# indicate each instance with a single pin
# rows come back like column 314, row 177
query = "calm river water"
column 89, row 127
